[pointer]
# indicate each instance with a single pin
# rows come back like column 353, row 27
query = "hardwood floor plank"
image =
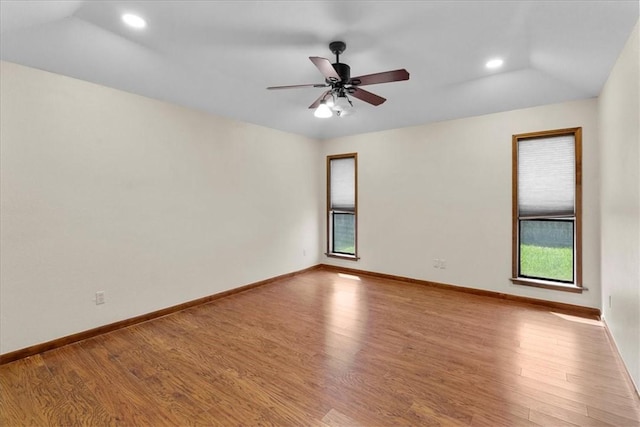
column 427, row 415
column 604, row 393
column 28, row 393
column 322, row 349
column 100, row 371
column 335, row 418
column 550, row 412
column 80, row 406
column 459, row 398
column 613, row 384
column 497, row 418
column 546, row 420
column 79, row 399
column 616, row 419
column 600, row 401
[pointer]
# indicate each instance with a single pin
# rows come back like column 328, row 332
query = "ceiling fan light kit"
column 343, row 106
column 340, row 83
column 323, row 111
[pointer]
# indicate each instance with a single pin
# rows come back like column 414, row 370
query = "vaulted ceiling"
column 219, row 56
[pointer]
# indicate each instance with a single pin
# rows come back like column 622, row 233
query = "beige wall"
column 620, row 157
column 443, row 191
column 152, row 203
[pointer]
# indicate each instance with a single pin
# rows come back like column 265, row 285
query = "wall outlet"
column 436, row 263
column 443, row 264
column 304, row 252
column 99, row 297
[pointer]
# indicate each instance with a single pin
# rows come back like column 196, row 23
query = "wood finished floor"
column 323, row 349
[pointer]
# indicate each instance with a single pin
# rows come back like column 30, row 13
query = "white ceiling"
column 219, row 56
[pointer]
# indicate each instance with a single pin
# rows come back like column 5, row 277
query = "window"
column 547, row 209
column 342, row 212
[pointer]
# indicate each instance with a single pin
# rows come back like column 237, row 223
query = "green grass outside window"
column 546, row 262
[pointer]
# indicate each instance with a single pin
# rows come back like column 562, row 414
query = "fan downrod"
column 343, row 70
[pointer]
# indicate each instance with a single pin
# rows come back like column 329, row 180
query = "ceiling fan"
column 341, row 85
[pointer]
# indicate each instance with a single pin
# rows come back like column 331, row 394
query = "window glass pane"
column 344, row 233
column 546, row 176
column 343, row 184
column 546, row 249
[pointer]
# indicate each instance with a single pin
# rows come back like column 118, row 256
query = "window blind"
column 343, row 184
column 546, row 177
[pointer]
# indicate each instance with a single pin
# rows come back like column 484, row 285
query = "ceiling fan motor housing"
column 344, row 71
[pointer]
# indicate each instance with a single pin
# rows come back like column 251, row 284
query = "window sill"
column 342, row 256
column 547, row 284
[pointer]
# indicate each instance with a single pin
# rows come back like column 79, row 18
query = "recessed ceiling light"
column 494, row 63
column 133, row 20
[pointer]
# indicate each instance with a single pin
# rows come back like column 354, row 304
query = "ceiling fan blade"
column 366, row 96
column 320, row 98
column 384, row 77
column 298, row 86
column 325, row 67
